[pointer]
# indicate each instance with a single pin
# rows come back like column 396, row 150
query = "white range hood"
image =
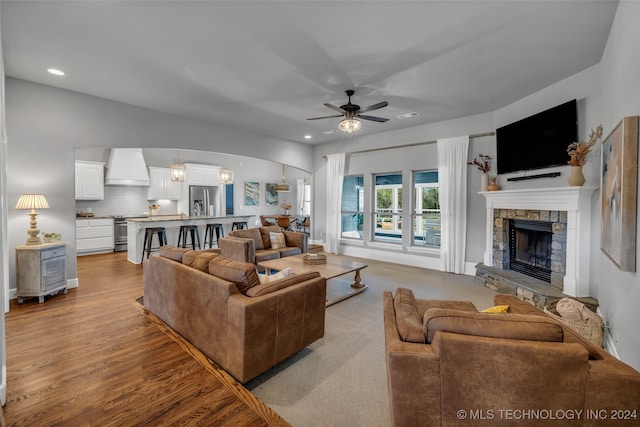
column 126, row 166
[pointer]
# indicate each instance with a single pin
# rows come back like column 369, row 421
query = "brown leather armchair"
column 445, row 359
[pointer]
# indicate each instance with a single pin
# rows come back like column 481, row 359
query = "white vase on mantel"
column 484, row 182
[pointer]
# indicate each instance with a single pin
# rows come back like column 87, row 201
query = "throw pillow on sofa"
column 497, row 309
column 243, row 274
column 277, row 240
column 266, row 278
column 265, row 234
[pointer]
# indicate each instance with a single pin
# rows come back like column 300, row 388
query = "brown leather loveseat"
column 450, row 365
column 254, row 244
column 221, row 308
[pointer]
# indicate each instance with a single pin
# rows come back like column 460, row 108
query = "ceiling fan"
column 351, row 113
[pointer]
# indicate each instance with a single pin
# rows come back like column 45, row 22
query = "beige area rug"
column 341, row 379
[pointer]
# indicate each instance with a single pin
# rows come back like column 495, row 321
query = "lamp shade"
column 32, row 201
column 283, row 188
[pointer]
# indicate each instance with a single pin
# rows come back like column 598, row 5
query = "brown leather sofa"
column 450, row 365
column 254, row 244
column 220, row 307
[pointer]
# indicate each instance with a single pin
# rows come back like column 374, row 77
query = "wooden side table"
column 41, row 270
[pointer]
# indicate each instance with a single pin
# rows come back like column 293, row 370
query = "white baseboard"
column 403, row 258
column 3, row 385
column 609, row 342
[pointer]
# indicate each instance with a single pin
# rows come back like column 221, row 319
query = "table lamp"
column 33, row 202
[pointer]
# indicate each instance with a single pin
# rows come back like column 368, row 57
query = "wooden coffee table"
column 334, row 267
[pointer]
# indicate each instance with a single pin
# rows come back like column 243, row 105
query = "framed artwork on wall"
column 271, row 195
column 251, row 193
column 618, row 184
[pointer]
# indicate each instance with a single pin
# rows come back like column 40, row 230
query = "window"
column 352, row 206
column 426, row 218
column 306, row 202
column 388, row 207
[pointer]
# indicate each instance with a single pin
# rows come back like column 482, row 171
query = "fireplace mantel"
column 576, row 201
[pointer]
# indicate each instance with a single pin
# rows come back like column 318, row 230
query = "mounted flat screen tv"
column 539, row 141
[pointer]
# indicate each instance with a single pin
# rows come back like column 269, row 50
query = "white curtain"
column 300, row 195
column 452, row 177
column 335, row 176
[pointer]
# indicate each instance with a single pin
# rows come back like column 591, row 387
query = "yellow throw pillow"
column 497, row 309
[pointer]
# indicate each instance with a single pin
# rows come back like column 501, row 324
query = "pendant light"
column 284, row 187
column 225, row 176
column 177, row 170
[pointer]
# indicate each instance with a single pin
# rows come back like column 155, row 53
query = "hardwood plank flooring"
column 95, row 357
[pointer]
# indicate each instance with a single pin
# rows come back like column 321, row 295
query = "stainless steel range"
column 120, row 231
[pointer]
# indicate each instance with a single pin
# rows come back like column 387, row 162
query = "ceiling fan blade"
column 333, row 107
column 373, row 118
column 326, row 117
column 374, row 106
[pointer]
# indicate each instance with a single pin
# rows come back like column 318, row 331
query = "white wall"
column 45, row 125
column 619, row 292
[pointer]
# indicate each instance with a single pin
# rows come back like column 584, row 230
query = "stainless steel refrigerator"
column 202, row 200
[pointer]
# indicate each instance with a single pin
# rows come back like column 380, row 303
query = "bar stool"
column 182, row 236
column 148, row 240
column 239, row 225
column 208, row 234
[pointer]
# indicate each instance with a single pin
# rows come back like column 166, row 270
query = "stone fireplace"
column 542, row 233
column 531, row 242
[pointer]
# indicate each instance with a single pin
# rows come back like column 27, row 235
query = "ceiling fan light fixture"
column 349, row 125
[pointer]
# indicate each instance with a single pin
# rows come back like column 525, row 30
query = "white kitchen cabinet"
column 202, row 175
column 89, row 180
column 94, row 236
column 161, row 186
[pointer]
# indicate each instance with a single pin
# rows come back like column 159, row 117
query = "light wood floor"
column 93, row 358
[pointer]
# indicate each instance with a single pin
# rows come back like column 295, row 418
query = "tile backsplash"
column 125, row 200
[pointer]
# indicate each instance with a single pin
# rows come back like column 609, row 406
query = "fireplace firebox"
column 530, row 248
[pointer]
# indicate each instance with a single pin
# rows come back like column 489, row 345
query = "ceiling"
column 266, row 66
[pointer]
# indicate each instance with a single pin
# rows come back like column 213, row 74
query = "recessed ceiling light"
column 408, row 115
column 55, row 71
column 329, row 132
column 307, row 137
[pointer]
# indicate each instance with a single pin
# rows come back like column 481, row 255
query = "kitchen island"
column 136, row 229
